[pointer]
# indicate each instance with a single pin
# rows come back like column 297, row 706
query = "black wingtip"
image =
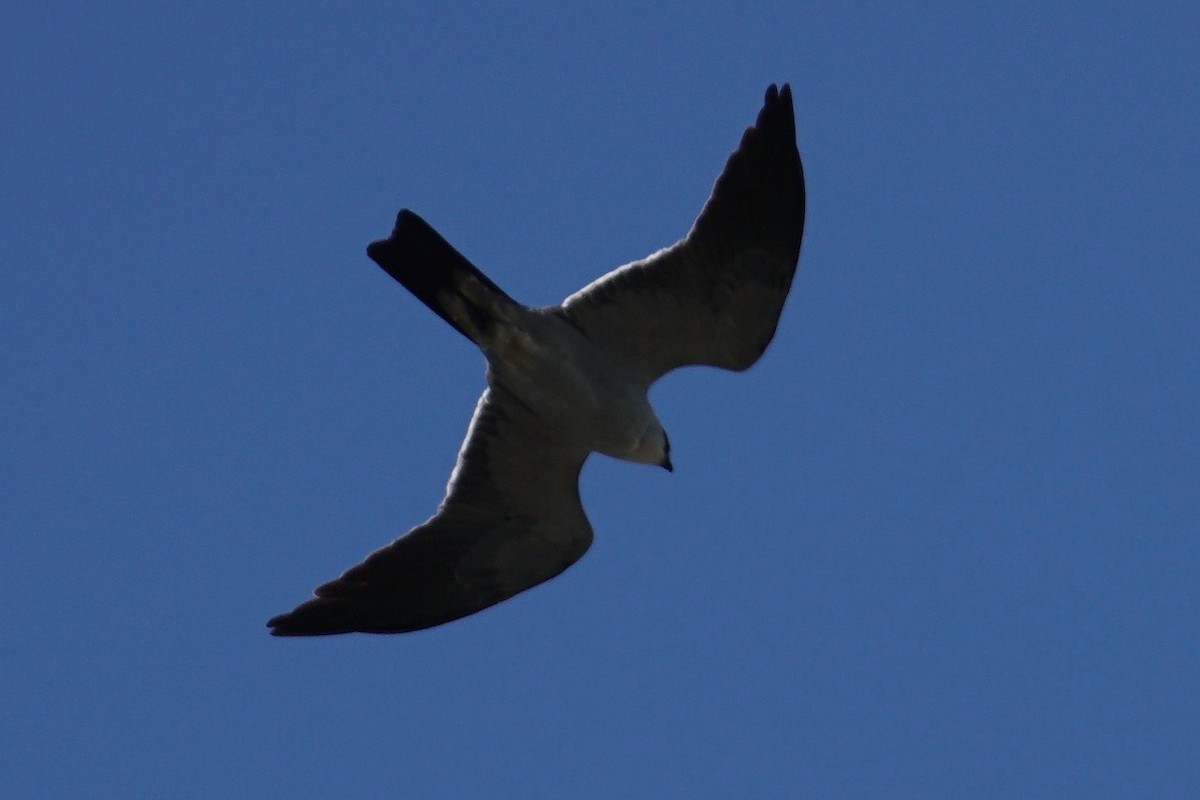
column 309, row 619
column 777, row 104
column 279, row 626
column 305, row 619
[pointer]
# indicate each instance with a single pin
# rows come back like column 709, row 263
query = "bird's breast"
column 569, row 384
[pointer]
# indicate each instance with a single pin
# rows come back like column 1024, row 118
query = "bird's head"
column 653, row 447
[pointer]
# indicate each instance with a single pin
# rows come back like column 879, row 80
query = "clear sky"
column 940, row 542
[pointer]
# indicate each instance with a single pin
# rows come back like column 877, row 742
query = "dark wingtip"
column 306, row 620
column 278, row 625
column 783, row 90
column 297, row 622
column 778, row 104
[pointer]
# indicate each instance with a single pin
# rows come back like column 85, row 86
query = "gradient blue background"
column 940, row 542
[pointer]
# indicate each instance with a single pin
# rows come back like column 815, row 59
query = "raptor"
column 569, row 380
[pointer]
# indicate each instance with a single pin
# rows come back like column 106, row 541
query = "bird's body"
column 569, row 380
column 576, row 387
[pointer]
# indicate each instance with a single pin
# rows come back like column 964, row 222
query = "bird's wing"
column 714, row 297
column 511, row 519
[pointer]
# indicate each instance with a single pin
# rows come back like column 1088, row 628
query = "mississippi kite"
column 568, row 380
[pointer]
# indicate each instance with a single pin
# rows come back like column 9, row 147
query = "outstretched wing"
column 714, row 297
column 511, row 519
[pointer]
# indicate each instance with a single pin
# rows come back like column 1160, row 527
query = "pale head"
column 652, row 447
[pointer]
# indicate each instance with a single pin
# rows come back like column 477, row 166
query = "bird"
column 569, row 380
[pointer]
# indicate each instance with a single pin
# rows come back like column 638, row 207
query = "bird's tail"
column 441, row 277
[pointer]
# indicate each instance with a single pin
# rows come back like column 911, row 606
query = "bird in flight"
column 568, row 380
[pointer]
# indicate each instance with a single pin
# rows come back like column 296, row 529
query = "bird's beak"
column 666, row 464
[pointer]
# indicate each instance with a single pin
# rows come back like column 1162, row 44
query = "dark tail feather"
column 429, row 267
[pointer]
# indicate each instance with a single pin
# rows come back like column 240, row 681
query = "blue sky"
column 940, row 542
